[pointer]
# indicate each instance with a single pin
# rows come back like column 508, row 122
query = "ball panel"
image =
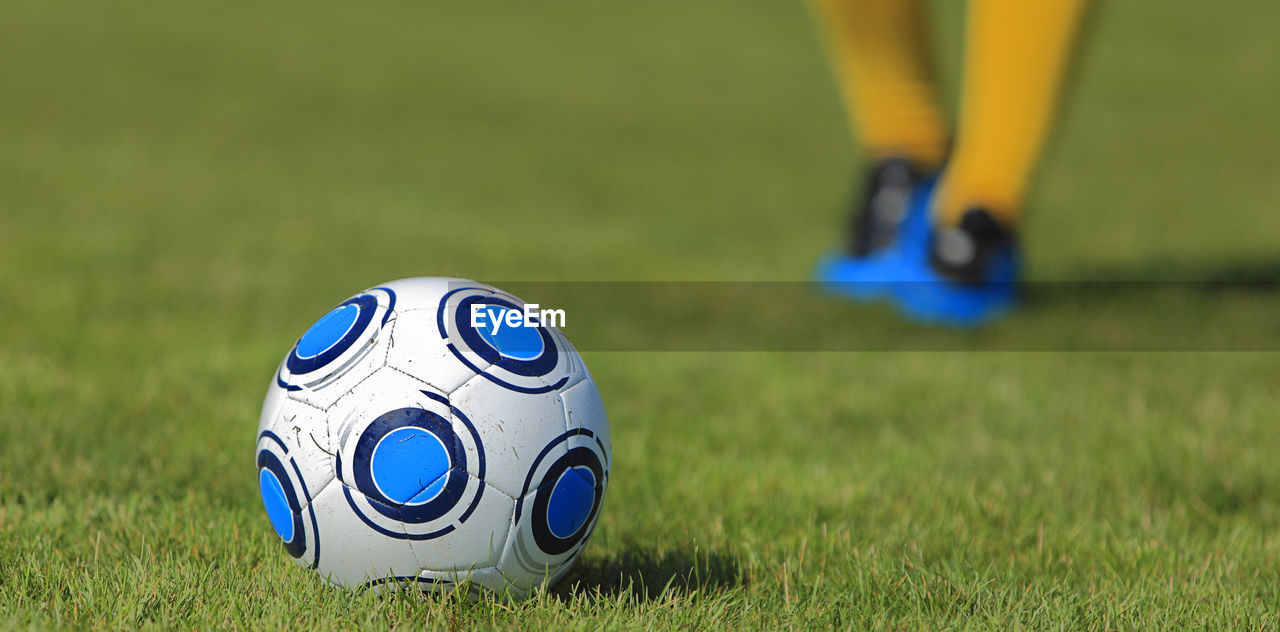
column 528, row 360
column 302, row 434
column 271, row 405
column 352, row 554
column 564, row 506
column 574, row 368
column 341, row 349
column 418, row 349
column 557, row 512
column 477, row 583
column 529, row 583
column 515, row 426
column 476, row 543
column 327, row 394
column 585, row 409
column 409, row 457
column 415, row 463
column 332, row 337
column 525, row 573
column 421, row 292
column 491, row 580
column 285, row 497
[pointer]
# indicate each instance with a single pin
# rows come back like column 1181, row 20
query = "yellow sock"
column 879, row 50
column 1016, row 54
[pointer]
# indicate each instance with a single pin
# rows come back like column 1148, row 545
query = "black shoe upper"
column 961, row 252
column 883, row 204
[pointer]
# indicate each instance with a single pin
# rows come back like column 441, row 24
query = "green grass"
column 184, row 187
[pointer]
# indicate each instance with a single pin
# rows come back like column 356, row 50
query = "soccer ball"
column 402, row 444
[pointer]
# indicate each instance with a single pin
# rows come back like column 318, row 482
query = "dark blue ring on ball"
column 537, row 367
column 543, row 534
column 298, row 544
column 455, row 476
column 367, row 304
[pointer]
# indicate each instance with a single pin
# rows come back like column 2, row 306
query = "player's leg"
column 879, row 52
column 1016, row 54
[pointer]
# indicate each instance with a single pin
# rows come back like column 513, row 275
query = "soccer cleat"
column 878, row 215
column 891, row 224
column 966, row 276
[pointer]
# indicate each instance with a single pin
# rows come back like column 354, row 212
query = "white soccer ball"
column 400, row 444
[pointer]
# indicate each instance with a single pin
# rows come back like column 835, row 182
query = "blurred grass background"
column 184, row 187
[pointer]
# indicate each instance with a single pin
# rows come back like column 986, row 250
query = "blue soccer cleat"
column 890, row 224
column 966, row 275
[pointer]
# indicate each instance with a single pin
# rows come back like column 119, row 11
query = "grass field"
column 185, row 186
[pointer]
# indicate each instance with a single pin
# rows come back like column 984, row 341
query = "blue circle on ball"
column 409, row 465
column 277, row 504
column 328, row 331
column 571, row 501
column 517, row 342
